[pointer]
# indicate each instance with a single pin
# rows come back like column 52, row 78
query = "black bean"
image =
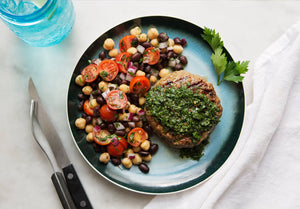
column 144, row 168
column 153, row 149
column 135, row 42
column 177, row 40
column 148, row 75
column 103, row 126
column 83, row 115
column 124, row 82
column 135, row 118
column 136, row 57
column 89, row 119
column 170, row 55
column 146, row 45
column 165, row 63
column 80, row 105
column 159, row 66
column 96, row 111
column 143, row 153
column 147, row 69
column 111, row 128
column 147, row 128
column 134, row 98
column 102, row 55
column 120, row 132
column 96, row 93
column 163, row 56
column 183, row 42
column 82, row 96
column 100, row 100
column 162, row 37
column 183, row 60
column 178, row 67
column 93, row 85
column 117, row 80
column 116, row 161
column 125, row 124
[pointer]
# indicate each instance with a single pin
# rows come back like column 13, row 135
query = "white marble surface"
column 247, row 28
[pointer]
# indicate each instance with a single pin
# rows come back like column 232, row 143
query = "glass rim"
column 28, row 18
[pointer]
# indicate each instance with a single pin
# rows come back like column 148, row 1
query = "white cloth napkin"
column 264, row 169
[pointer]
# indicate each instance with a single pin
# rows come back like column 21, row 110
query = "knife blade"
column 74, row 185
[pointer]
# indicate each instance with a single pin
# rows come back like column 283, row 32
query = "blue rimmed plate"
column 168, row 172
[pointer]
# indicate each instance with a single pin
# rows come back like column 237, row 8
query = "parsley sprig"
column 226, row 70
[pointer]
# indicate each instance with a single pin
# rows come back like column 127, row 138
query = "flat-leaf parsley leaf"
column 231, row 70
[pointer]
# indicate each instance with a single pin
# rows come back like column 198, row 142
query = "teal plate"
column 168, row 172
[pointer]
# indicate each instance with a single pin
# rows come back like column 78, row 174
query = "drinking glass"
column 38, row 22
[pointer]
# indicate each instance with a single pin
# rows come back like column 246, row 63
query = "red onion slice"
column 131, row 156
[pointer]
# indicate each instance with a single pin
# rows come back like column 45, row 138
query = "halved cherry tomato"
column 139, row 84
column 116, row 99
column 151, row 55
column 126, row 42
column 90, row 73
column 136, row 136
column 87, row 108
column 101, row 136
column 122, row 60
column 108, row 114
column 117, row 146
column 108, row 69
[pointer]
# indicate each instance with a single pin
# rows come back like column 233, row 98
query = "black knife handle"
column 76, row 189
column 62, row 191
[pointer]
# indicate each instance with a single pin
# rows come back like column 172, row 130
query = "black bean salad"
column 113, row 94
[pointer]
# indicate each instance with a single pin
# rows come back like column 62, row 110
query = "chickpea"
column 113, row 52
column 122, row 116
column 125, row 88
column 163, row 72
column 93, row 103
column 171, row 42
column 154, row 42
column 129, row 151
column 147, row 158
column 108, row 44
column 140, row 73
column 103, row 86
column 87, row 90
column 142, row 101
column 137, row 159
column 152, row 33
column 80, row 123
column 104, row 158
column 153, row 79
column 145, row 145
column 136, row 149
column 132, row 109
column 89, row 128
column 79, row 80
column 126, row 162
column 136, row 31
column 89, row 137
column 132, row 50
column 142, row 37
column 178, row 49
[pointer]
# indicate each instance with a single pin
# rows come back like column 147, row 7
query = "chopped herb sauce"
column 181, row 111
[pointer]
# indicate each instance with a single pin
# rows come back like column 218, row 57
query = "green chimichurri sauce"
column 182, row 112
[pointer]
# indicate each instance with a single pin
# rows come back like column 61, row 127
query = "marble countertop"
column 246, row 28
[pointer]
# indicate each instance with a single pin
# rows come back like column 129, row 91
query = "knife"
column 69, row 185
